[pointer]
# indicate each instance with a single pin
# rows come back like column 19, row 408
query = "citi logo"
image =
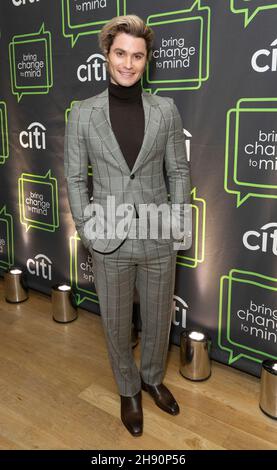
column 33, row 137
column 264, row 240
column 179, row 312
column 93, row 69
column 265, row 60
column 40, row 266
column 19, row 3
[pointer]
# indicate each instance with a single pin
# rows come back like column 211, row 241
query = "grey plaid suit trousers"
column 147, row 263
column 150, row 265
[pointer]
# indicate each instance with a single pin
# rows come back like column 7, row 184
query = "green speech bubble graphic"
column 181, row 53
column 250, row 8
column 80, row 18
column 196, row 254
column 38, row 201
column 250, row 160
column 6, row 239
column 67, row 111
column 4, row 139
column 81, row 272
column 30, row 57
column 248, row 328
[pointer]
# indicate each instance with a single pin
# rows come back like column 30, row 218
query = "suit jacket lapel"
column 151, row 128
column 102, row 125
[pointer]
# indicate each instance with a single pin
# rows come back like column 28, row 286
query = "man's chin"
column 124, row 81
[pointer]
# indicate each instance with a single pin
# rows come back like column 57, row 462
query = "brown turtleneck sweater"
column 127, row 119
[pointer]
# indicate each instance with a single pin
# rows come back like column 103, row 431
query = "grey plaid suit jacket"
column 89, row 139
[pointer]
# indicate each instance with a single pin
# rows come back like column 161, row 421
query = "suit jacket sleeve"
column 177, row 168
column 76, row 170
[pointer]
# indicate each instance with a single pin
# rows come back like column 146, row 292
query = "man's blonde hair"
column 130, row 24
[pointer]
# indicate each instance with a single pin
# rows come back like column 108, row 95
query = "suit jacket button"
column 132, row 177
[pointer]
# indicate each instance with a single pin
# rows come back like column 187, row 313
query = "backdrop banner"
column 218, row 60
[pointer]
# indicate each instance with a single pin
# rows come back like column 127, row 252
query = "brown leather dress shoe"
column 131, row 414
column 162, row 397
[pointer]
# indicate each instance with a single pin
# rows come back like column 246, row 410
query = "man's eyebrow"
column 122, row 50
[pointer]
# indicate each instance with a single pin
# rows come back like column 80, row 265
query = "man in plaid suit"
column 129, row 137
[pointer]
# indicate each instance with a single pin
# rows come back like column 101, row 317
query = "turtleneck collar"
column 126, row 93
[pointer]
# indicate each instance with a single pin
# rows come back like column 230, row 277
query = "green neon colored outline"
column 16, row 40
column 54, row 213
column 228, row 160
column 250, row 110
column 67, row 110
column 73, row 262
column 4, row 132
column 22, row 180
column 46, row 61
column 232, row 357
column 54, row 190
column 198, row 80
column 194, row 258
column 230, row 278
column 196, row 4
column 8, row 220
column 197, row 259
column 234, row 343
column 66, row 15
column 249, row 18
column 25, row 218
column 38, row 225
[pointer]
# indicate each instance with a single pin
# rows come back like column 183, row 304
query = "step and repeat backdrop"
column 218, row 60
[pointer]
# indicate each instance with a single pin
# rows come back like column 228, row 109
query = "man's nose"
column 128, row 62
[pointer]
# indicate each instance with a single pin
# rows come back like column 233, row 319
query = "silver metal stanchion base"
column 15, row 290
column 195, row 364
column 268, row 391
column 63, row 304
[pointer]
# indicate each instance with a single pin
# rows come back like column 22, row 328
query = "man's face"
column 126, row 59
